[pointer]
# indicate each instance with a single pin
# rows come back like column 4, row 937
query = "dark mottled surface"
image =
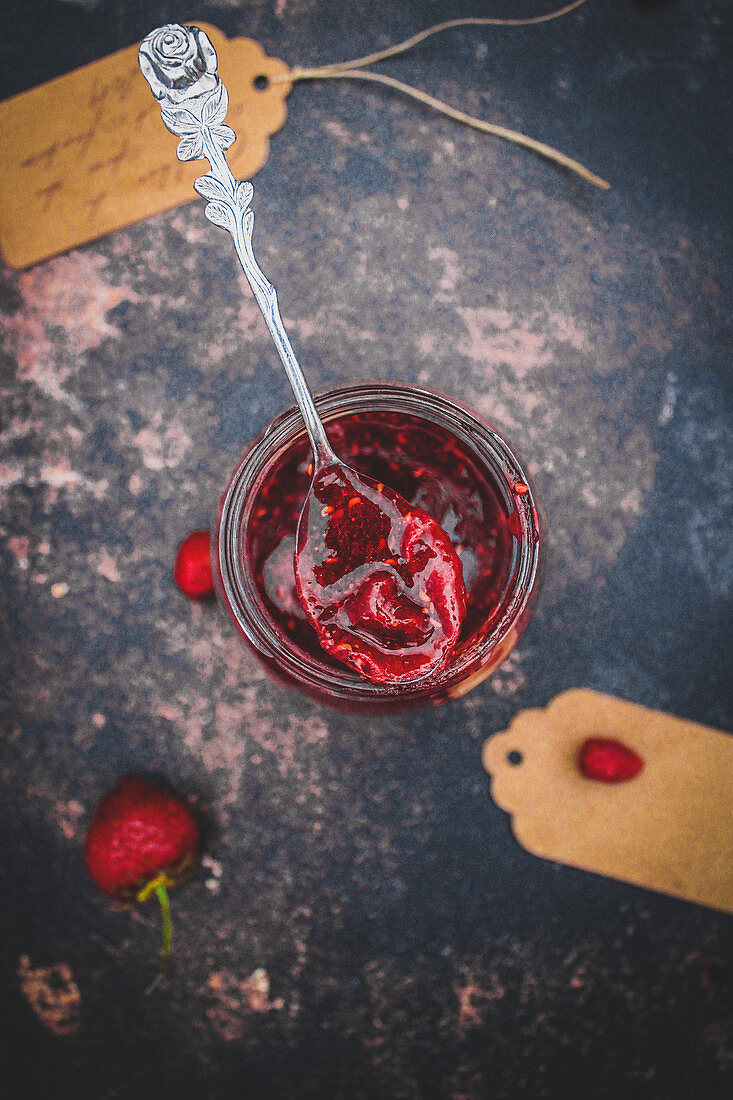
column 365, row 925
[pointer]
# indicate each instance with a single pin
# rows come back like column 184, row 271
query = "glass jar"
column 437, row 453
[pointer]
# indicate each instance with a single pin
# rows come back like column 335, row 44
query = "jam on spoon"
column 378, row 580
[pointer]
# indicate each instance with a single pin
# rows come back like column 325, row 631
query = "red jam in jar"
column 446, row 463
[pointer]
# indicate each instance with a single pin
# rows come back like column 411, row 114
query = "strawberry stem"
column 165, row 911
column 158, row 886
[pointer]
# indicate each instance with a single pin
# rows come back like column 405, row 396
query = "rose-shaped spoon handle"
column 180, row 65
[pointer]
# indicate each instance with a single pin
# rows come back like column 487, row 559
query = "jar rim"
column 237, row 588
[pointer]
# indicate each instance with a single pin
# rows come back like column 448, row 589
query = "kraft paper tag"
column 670, row 828
column 86, row 154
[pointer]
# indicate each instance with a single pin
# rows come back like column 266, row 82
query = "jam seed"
column 326, row 510
column 354, row 501
column 520, row 488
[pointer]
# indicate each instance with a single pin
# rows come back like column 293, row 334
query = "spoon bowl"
column 378, row 579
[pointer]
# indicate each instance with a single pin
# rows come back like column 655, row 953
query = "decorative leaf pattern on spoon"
column 180, row 65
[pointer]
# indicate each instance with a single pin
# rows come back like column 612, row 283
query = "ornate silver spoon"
column 378, row 579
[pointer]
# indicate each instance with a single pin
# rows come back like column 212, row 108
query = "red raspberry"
column 608, row 760
column 192, row 570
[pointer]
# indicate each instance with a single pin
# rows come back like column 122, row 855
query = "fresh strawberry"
column 608, row 760
column 192, row 570
column 142, row 840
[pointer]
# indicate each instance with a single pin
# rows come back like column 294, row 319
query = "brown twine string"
column 355, row 70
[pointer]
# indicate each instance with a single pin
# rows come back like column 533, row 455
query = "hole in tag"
column 514, row 758
column 261, row 82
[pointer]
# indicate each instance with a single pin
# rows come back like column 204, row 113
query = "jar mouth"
column 236, row 583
